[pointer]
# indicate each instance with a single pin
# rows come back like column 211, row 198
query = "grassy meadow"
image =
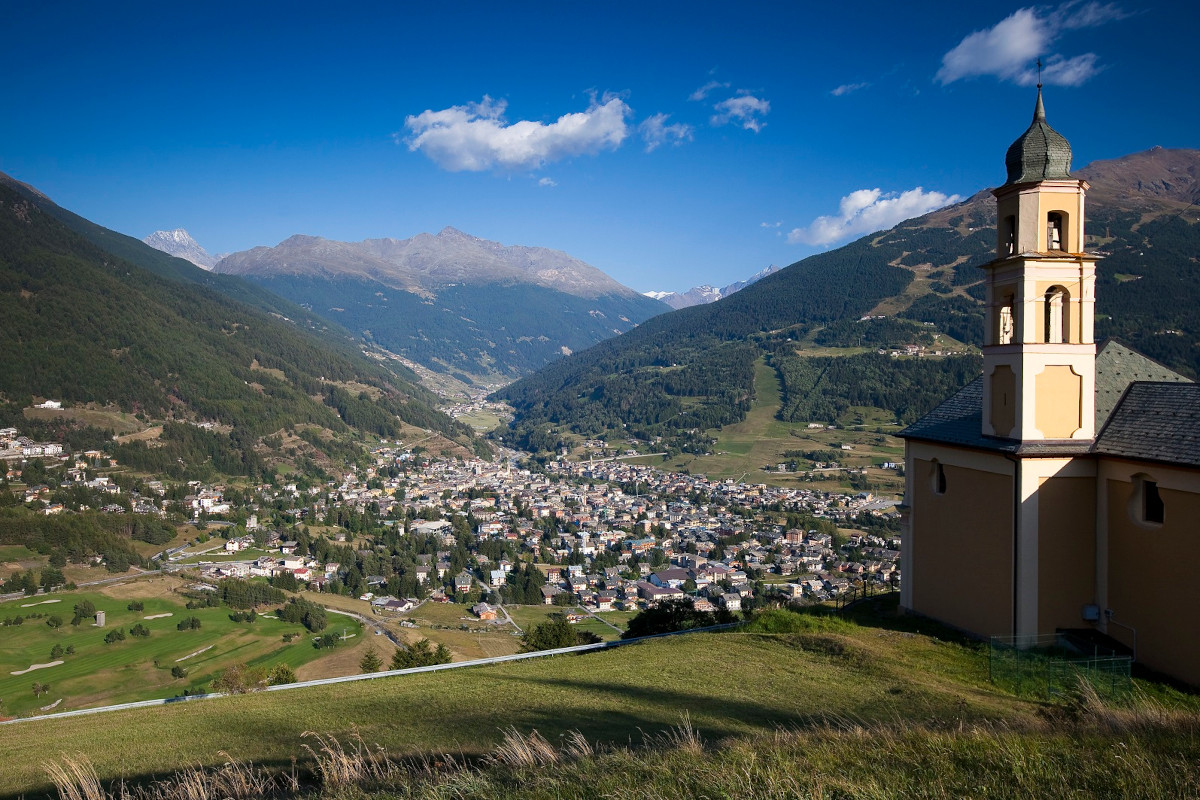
column 792, row 705
column 137, row 668
column 744, row 448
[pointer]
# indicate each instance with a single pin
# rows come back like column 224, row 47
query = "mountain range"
column 693, row 369
column 698, row 295
column 451, row 302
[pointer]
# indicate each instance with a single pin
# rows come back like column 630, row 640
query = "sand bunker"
column 52, row 706
column 32, row 667
column 39, row 603
column 198, row 652
column 159, row 616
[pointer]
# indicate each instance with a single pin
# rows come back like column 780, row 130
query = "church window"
column 1054, row 232
column 939, row 478
column 1008, row 246
column 1055, row 320
column 1007, row 321
column 1152, row 504
column 1147, row 506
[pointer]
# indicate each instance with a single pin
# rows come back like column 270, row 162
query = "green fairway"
column 136, row 668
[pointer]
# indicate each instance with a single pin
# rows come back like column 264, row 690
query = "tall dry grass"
column 1083, row 748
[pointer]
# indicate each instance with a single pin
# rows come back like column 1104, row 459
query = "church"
column 1060, row 490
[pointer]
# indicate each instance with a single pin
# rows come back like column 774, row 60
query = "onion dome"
column 1041, row 153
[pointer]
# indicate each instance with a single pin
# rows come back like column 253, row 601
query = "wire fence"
column 1053, row 664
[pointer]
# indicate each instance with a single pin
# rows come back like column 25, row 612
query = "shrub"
column 188, row 624
column 115, row 635
column 136, row 605
column 178, row 672
column 420, row 654
column 84, row 609
column 239, row 679
column 280, row 674
column 139, row 630
column 673, row 615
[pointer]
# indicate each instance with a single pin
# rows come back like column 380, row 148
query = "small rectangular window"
column 1152, row 504
column 939, row 479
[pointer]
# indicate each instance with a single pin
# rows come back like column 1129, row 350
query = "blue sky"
column 669, row 144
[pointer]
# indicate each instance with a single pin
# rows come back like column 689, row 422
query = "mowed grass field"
column 729, row 684
column 138, row 668
column 743, row 449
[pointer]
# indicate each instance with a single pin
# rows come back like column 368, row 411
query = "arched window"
column 938, row 477
column 1056, row 327
column 1008, row 240
column 1055, row 232
column 1007, row 321
column 1146, row 506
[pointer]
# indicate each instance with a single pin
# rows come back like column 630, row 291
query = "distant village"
column 605, row 535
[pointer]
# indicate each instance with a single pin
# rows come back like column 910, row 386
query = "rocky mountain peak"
column 180, row 243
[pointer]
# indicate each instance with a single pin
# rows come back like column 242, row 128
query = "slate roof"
column 1155, row 422
column 1116, row 367
column 1143, row 411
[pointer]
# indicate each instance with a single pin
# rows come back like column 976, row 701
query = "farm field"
column 137, row 668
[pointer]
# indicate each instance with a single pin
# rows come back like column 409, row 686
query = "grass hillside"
column 792, row 705
column 684, row 372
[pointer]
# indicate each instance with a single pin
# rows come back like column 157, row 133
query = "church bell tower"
column 1039, row 351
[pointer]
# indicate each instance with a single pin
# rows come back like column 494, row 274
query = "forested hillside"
column 469, row 330
column 86, row 326
column 692, row 369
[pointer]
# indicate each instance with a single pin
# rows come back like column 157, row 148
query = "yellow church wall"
column 1151, row 578
column 962, row 549
column 1066, row 551
column 1059, row 390
column 1004, row 400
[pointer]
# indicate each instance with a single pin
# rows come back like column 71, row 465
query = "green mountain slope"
column 178, row 269
column 689, row 370
column 86, row 326
column 504, row 329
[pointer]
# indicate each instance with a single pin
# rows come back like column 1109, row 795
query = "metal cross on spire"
column 1039, row 66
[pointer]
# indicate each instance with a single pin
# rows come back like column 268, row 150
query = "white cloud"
column 847, row 88
column 704, row 90
column 745, row 109
column 868, row 210
column 475, row 137
column 770, row 224
column 1009, row 49
column 547, row 182
column 656, row 132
